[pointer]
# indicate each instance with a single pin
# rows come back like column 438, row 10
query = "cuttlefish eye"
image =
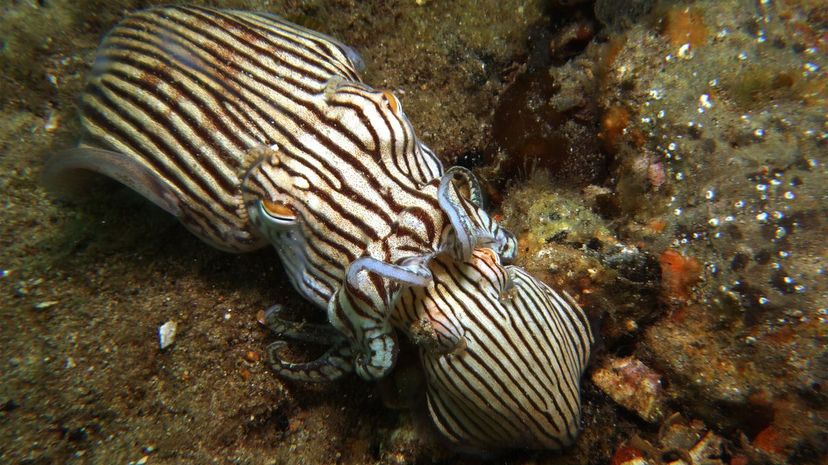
column 392, row 102
column 278, row 212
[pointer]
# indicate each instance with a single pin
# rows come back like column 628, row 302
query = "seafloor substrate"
column 664, row 162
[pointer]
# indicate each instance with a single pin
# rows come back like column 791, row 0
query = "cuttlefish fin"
column 66, row 171
column 330, row 48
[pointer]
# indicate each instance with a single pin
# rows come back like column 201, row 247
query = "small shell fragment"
column 46, row 304
column 166, row 334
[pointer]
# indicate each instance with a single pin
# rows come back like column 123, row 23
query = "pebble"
column 252, row 356
column 142, row 461
column 46, row 304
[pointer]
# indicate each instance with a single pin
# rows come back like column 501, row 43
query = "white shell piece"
column 166, row 334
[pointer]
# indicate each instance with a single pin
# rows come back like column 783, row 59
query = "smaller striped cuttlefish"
column 253, row 131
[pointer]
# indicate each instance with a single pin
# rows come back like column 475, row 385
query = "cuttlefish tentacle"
column 450, row 202
column 323, row 334
column 333, row 364
column 336, row 362
column 473, row 227
column 360, row 309
column 412, row 274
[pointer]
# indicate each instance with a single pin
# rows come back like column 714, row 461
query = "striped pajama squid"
column 353, row 254
column 255, row 131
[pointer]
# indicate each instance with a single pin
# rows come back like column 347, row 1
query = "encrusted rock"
column 633, row 385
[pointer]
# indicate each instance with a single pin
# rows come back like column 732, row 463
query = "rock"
column 633, row 385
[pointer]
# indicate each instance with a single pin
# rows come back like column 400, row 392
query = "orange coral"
column 769, row 440
column 613, row 123
column 685, row 26
column 625, row 454
column 657, row 226
column 678, row 273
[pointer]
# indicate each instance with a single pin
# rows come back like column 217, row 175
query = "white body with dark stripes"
column 503, row 353
column 189, row 94
column 252, row 130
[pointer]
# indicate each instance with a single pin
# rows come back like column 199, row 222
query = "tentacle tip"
column 273, row 357
column 271, row 315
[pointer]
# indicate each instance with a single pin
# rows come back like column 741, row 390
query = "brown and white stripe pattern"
column 503, row 353
column 215, row 114
column 211, row 113
column 188, row 93
column 351, row 253
column 348, row 203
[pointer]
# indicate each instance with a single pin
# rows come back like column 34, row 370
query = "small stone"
column 166, row 334
column 46, row 304
column 252, row 356
column 52, row 122
column 9, row 405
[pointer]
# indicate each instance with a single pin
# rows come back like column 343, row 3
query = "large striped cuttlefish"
column 254, row 131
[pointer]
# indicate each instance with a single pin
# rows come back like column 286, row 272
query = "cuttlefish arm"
column 360, row 309
column 460, row 197
column 336, row 362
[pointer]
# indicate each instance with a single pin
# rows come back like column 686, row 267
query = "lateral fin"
column 64, row 173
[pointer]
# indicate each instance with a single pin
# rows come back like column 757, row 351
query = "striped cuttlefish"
column 252, row 131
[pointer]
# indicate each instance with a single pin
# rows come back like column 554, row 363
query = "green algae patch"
column 558, row 218
column 544, row 214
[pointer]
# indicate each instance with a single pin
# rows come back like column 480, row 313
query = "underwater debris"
column 45, row 304
column 570, row 40
column 632, row 385
column 678, row 443
column 252, row 356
